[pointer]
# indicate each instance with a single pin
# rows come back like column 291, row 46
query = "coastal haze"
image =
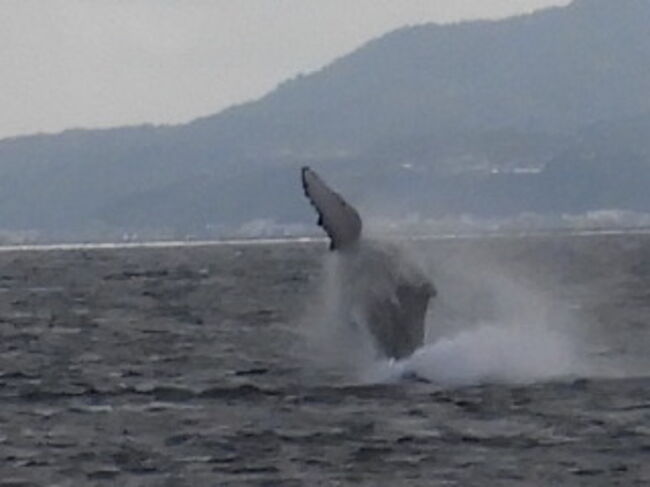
column 73, row 64
column 542, row 114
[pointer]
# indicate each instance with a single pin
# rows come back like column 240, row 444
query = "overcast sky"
column 92, row 63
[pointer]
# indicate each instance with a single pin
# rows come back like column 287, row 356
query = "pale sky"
column 99, row 63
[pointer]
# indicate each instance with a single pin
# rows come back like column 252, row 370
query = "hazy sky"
column 82, row 63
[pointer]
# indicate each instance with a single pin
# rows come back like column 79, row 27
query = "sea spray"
column 487, row 325
column 332, row 342
column 494, row 353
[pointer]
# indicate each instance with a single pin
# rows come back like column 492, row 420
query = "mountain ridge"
column 467, row 103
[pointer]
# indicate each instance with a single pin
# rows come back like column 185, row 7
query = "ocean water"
column 228, row 365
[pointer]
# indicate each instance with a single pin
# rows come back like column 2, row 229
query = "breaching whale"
column 384, row 293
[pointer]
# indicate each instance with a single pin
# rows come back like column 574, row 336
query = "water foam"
column 493, row 353
column 486, row 326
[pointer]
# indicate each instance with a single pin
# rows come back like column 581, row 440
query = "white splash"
column 485, row 327
column 492, row 353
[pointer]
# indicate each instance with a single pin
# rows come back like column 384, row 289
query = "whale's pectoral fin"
column 340, row 220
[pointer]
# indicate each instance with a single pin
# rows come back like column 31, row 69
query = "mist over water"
column 487, row 325
column 494, row 352
column 331, row 343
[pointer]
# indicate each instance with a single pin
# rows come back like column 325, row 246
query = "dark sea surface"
column 194, row 366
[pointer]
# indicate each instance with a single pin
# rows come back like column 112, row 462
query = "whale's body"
column 383, row 293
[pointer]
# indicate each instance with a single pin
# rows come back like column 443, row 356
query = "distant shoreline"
column 162, row 244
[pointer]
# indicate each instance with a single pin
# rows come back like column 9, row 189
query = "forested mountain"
column 547, row 112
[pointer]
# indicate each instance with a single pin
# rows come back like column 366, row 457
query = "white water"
column 487, row 354
column 485, row 327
